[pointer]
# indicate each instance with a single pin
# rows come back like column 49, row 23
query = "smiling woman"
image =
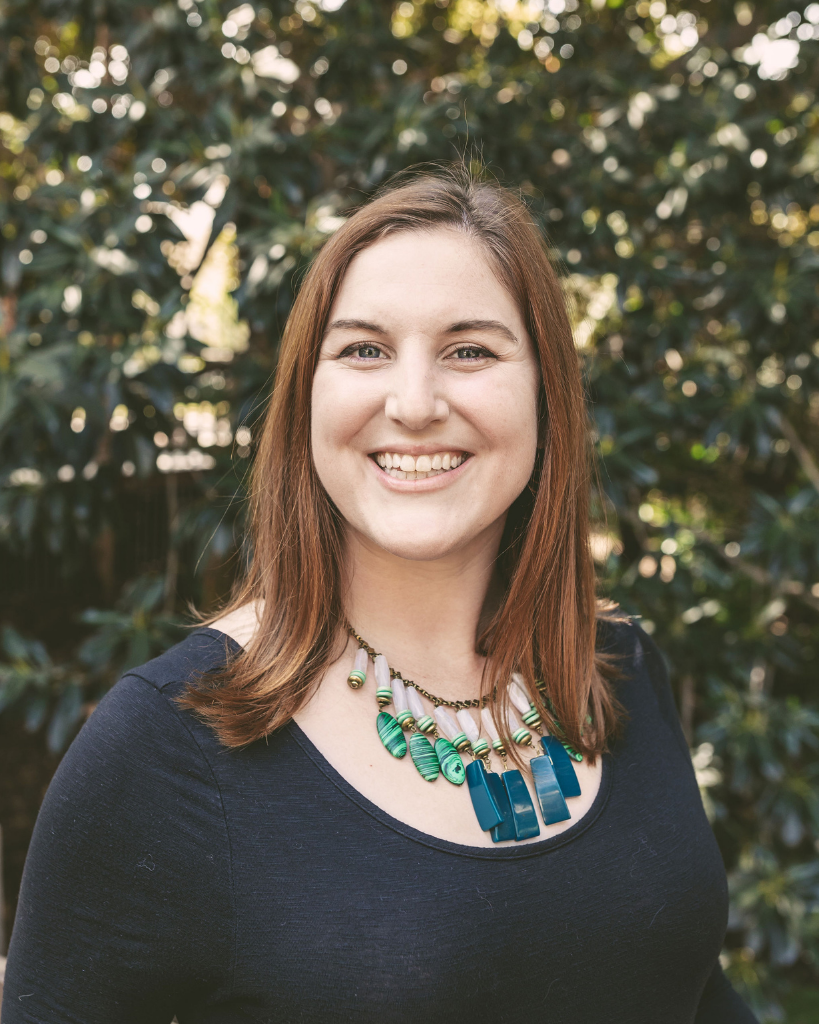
column 431, row 323
column 405, row 371
column 234, row 835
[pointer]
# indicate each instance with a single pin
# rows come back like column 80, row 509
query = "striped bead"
column 498, row 745
column 425, row 723
column 383, row 691
column 405, row 719
column 358, row 673
column 532, row 717
column 356, row 679
column 452, row 767
column 460, row 742
column 519, row 696
column 480, row 747
column 572, row 752
column 522, row 736
column 390, row 734
column 424, row 757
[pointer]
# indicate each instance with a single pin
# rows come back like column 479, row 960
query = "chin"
column 419, row 542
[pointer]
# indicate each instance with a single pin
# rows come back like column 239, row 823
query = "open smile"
column 418, row 467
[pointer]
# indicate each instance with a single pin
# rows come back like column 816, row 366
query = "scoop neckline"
column 510, row 852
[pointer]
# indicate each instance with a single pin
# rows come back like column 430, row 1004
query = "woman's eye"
column 362, row 351
column 471, row 352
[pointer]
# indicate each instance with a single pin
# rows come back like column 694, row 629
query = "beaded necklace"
column 502, row 804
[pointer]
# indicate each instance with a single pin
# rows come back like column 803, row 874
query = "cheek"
column 336, row 415
column 506, row 414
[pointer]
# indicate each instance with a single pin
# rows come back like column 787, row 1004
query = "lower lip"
column 430, row 483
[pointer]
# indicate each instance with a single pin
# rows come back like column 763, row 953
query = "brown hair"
column 545, row 624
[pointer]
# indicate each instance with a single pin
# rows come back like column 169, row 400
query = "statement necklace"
column 502, row 803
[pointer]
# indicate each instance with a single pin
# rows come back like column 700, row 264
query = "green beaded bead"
column 356, row 679
column 390, row 734
column 522, row 736
column 405, row 719
column 424, row 757
column 461, row 742
column 498, row 745
column 383, row 696
column 572, row 752
column 452, row 767
column 425, row 724
column 480, row 747
column 532, row 718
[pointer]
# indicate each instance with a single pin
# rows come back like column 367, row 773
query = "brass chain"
column 477, row 702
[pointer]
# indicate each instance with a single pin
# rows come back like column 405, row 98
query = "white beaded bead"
column 399, row 696
column 446, row 723
column 414, row 703
column 382, row 672
column 512, row 719
column 468, row 725
column 517, row 694
column 488, row 724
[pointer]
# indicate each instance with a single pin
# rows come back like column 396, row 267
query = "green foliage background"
column 672, row 154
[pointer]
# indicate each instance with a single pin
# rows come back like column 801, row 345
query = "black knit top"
column 169, row 876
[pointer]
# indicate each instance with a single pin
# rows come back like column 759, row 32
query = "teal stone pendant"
column 524, row 815
column 424, row 757
column 561, row 762
column 483, row 801
column 505, row 831
column 391, row 734
column 552, row 805
column 452, row 767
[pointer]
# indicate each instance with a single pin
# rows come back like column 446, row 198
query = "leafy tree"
column 168, row 170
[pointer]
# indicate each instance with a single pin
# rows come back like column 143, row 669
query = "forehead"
column 441, row 274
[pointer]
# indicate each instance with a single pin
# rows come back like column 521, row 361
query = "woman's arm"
column 719, row 1003
column 125, row 912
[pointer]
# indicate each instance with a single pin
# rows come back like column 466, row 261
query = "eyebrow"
column 482, row 325
column 354, row 325
column 461, row 327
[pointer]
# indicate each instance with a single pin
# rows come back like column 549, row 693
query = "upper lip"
column 418, row 449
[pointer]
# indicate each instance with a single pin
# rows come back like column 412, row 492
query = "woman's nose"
column 414, row 399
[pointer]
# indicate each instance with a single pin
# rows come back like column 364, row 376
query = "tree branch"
column 804, row 457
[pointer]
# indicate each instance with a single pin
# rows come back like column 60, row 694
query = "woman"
column 238, row 834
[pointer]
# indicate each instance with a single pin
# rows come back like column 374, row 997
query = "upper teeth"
column 407, row 467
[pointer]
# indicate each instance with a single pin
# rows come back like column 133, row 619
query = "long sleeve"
column 125, row 912
column 720, row 1004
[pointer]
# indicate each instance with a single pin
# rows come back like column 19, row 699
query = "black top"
column 168, row 875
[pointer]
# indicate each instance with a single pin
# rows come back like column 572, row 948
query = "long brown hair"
column 545, row 625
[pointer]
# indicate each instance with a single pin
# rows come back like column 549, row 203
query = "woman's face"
column 424, row 403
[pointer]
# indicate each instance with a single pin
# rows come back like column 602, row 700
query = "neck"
column 424, row 616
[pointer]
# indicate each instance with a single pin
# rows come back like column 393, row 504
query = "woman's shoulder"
column 130, row 852
column 622, row 640
column 203, row 650
column 138, row 725
column 641, row 678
